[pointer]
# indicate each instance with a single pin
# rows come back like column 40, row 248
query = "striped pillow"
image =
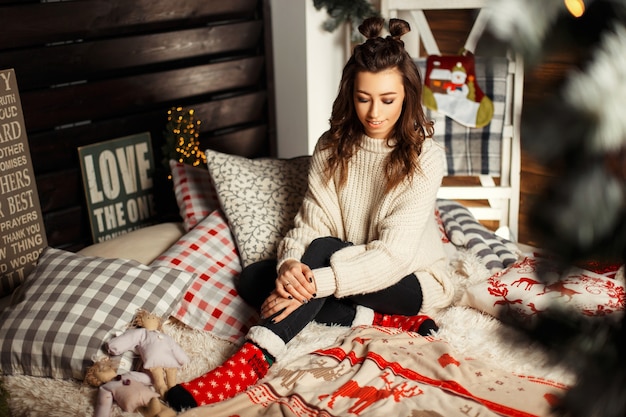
column 464, row 231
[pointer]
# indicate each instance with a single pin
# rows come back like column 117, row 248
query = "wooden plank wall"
column 93, row 70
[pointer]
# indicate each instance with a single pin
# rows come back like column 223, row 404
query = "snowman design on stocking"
column 450, row 88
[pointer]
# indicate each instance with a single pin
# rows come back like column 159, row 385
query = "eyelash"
column 364, row 100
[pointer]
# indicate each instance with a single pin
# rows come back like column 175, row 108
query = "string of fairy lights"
column 182, row 134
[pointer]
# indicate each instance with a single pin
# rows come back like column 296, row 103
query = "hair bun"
column 372, row 27
column 398, row 27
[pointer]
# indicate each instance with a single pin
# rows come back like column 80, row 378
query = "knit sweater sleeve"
column 405, row 243
column 317, row 216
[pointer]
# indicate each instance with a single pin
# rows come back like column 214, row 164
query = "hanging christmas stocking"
column 450, row 88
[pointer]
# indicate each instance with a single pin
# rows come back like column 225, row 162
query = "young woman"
column 365, row 247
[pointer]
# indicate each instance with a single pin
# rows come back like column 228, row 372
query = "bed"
column 233, row 213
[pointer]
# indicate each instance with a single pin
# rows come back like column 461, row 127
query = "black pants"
column 258, row 280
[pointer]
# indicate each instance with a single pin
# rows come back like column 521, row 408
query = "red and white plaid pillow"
column 195, row 195
column 211, row 302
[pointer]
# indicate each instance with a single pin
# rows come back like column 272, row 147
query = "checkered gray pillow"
column 71, row 304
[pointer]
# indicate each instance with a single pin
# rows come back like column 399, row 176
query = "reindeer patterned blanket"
column 381, row 371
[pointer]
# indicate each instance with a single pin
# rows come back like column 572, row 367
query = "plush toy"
column 161, row 355
column 132, row 391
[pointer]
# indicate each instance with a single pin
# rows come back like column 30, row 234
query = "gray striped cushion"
column 71, row 304
column 465, row 231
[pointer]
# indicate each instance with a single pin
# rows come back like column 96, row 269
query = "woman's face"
column 378, row 99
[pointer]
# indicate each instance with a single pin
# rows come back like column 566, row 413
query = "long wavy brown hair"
column 344, row 136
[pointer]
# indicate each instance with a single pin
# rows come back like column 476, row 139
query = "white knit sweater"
column 394, row 234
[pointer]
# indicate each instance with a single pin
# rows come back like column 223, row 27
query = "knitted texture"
column 242, row 370
column 421, row 324
column 394, row 233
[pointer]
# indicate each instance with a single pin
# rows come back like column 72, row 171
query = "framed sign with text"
column 22, row 231
column 118, row 181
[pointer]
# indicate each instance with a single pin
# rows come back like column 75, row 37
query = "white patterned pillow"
column 211, row 302
column 195, row 195
column 260, row 198
column 71, row 304
column 518, row 290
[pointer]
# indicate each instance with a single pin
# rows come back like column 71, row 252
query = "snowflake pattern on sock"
column 421, row 324
column 234, row 376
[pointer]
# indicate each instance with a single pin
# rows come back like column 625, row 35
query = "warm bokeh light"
column 575, row 7
column 185, row 129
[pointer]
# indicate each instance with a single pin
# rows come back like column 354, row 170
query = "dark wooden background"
column 94, row 70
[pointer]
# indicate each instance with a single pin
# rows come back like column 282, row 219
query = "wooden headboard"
column 94, row 70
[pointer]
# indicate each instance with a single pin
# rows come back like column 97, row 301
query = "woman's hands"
column 276, row 304
column 294, row 286
column 295, row 280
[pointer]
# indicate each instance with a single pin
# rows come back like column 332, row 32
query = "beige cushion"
column 142, row 245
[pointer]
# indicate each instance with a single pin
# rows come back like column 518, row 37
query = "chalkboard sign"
column 118, row 181
column 22, row 232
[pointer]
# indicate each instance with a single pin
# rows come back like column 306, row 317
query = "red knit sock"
column 421, row 324
column 242, row 370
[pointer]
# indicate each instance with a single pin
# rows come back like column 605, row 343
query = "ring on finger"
column 286, row 284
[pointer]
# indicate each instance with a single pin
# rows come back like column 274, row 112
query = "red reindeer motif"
column 560, row 287
column 529, row 282
column 499, row 289
column 534, row 309
column 367, row 395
